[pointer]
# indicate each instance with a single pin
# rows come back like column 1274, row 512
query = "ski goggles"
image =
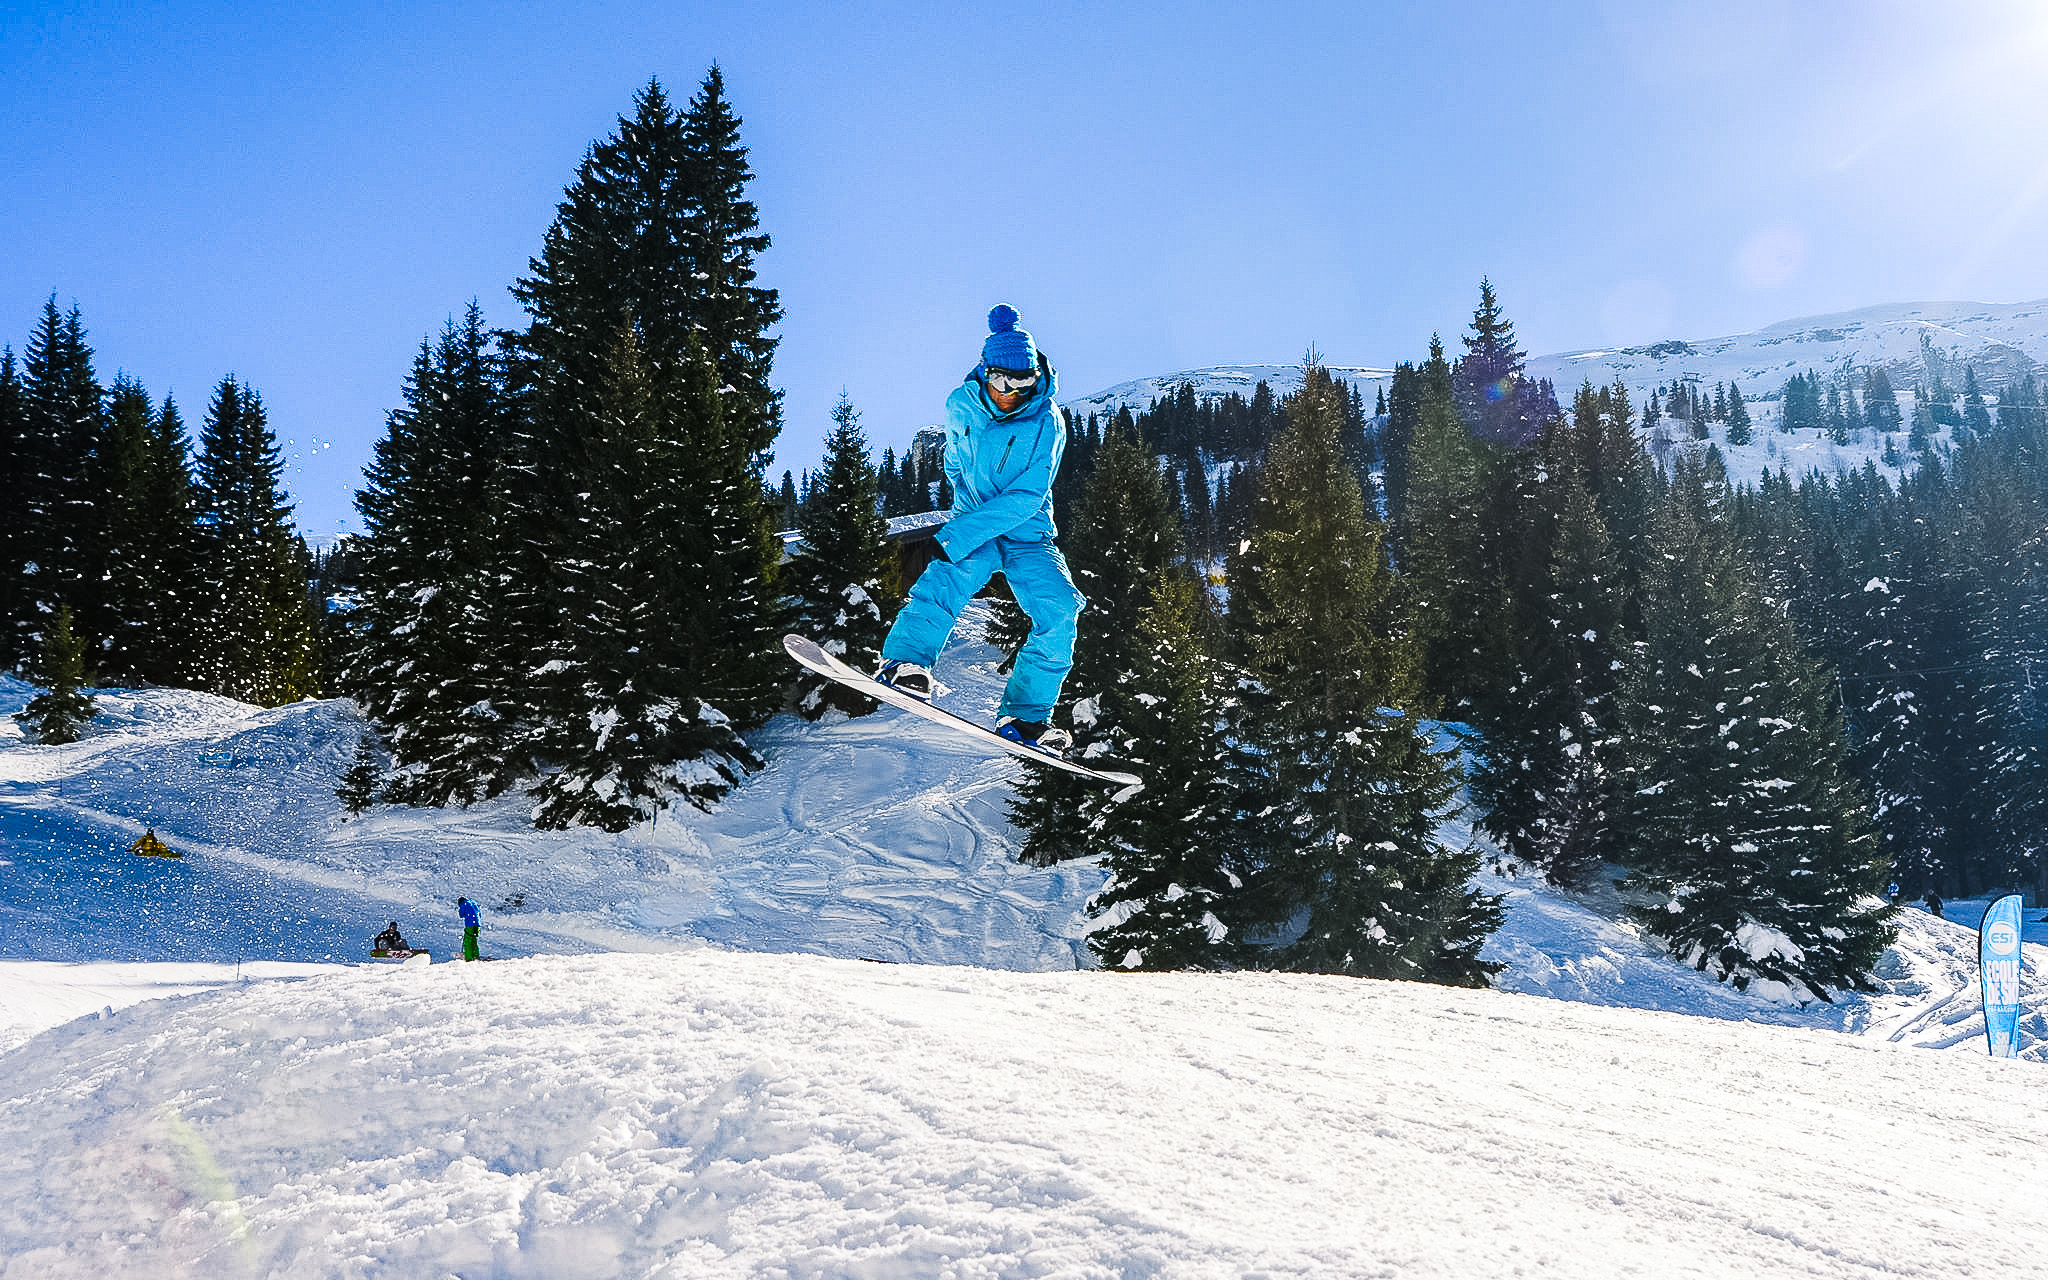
column 1009, row 382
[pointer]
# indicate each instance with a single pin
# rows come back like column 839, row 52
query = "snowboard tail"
column 808, row 654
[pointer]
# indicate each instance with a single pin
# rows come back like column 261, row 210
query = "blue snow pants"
column 1038, row 577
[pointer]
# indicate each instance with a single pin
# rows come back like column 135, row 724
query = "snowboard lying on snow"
column 807, row 652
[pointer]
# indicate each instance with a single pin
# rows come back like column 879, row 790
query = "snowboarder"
column 1934, row 905
column 1004, row 441
column 388, row 941
column 471, row 922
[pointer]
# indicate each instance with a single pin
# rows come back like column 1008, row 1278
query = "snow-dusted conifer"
column 1741, row 819
column 631, row 676
column 13, row 522
column 1456, row 599
column 1126, row 534
column 56, row 713
column 363, row 781
column 54, row 506
column 429, row 661
column 151, row 595
column 258, row 639
column 839, row 575
column 654, row 240
column 1173, row 845
column 1354, row 877
column 1545, row 773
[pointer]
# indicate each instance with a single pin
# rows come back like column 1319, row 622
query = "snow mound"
column 717, row 1114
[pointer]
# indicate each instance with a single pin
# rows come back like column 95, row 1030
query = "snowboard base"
column 808, row 654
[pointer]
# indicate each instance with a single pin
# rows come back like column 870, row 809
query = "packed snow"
column 687, row 1060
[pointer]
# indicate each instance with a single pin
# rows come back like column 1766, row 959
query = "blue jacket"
column 470, row 919
column 1001, row 465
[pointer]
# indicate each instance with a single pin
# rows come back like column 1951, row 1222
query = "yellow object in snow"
column 148, row 846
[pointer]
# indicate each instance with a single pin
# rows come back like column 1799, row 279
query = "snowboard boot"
column 906, row 677
column 1035, row 733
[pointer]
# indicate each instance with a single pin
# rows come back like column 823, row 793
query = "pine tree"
column 1880, row 401
column 1920, row 435
column 634, row 673
column 1446, row 545
column 1740, row 429
column 655, row 241
column 258, row 642
column 1975, row 415
column 1741, row 817
column 429, row 660
column 56, row 713
column 722, row 239
column 1546, row 774
column 57, row 550
column 363, row 781
column 839, row 575
column 1353, row 878
column 150, row 538
column 1172, row 847
column 1126, row 536
column 1802, row 404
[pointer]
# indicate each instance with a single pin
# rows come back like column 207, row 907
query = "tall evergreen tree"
column 1740, row 429
column 1126, row 537
column 732, row 312
column 1173, row 847
column 1494, row 398
column 1455, row 598
column 841, row 572
column 1354, row 878
column 1743, row 822
column 1975, row 415
column 635, row 674
column 1880, row 401
column 429, row 659
column 653, row 241
column 1546, row 775
column 57, row 548
column 150, row 538
column 13, row 510
column 258, row 640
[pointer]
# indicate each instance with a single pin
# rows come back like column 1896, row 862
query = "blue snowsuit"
column 1001, row 467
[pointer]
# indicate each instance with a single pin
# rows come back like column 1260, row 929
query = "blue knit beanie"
column 1008, row 347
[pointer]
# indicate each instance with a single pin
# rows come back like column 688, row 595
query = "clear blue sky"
column 299, row 194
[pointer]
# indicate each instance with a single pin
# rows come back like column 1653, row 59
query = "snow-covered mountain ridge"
column 2003, row 341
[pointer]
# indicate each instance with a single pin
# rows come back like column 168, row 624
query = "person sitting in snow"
column 390, row 939
column 1004, row 441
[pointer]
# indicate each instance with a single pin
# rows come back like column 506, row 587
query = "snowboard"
column 808, row 654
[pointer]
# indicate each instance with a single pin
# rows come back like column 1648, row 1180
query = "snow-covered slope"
column 879, row 838
column 725, row 1107
column 716, row 1114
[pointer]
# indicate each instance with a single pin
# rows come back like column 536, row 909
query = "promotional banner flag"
column 1998, row 963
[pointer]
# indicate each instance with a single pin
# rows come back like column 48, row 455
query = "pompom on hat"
column 1008, row 347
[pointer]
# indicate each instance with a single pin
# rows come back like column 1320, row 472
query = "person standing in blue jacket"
column 1004, row 440
column 471, row 923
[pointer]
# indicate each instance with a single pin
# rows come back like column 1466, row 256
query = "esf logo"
column 2002, row 938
